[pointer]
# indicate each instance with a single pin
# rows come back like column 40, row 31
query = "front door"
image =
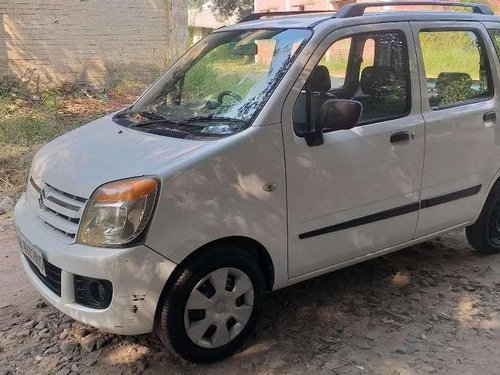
column 359, row 191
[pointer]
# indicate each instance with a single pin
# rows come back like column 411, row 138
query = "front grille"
column 53, row 278
column 59, row 211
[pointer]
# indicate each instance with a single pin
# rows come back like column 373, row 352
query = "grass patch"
column 28, row 120
column 27, row 130
column 15, row 162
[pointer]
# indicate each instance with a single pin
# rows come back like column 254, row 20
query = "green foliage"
column 219, row 71
column 196, row 4
column 456, row 92
column 227, row 8
column 50, row 97
column 450, row 50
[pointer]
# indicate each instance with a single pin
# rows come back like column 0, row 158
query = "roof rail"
column 358, row 9
column 258, row 16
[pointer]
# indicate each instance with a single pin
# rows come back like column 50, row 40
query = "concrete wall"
column 53, row 41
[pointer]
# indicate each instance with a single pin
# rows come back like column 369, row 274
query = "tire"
column 199, row 282
column 484, row 235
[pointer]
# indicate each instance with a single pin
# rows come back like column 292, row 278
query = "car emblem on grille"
column 41, row 204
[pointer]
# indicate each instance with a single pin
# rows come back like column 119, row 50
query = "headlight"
column 118, row 212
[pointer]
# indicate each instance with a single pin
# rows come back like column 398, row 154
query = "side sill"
column 373, row 255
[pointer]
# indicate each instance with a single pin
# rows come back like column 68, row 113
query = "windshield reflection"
column 220, row 85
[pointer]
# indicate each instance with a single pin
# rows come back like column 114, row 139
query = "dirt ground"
column 432, row 308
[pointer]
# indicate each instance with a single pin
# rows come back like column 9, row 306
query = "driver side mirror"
column 334, row 114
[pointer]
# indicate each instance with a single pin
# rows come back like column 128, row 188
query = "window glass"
column 371, row 68
column 220, row 85
column 336, row 59
column 495, row 36
column 455, row 67
column 368, row 54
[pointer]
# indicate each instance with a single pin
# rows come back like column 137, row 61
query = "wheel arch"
column 491, row 188
column 251, row 246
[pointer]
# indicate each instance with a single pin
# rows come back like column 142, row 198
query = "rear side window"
column 495, row 36
column 456, row 68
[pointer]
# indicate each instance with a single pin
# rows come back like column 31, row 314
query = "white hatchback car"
column 275, row 150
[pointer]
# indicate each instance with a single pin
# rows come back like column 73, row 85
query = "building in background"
column 89, row 41
column 290, row 5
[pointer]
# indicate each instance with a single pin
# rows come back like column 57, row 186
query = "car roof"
column 295, row 21
column 317, row 19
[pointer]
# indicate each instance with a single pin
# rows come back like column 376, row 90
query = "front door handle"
column 490, row 116
column 400, row 137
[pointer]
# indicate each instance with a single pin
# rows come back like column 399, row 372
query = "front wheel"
column 484, row 235
column 213, row 305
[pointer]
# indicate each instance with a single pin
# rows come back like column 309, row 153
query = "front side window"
column 456, row 68
column 371, row 68
column 219, row 86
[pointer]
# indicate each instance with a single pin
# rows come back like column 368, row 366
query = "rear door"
column 458, row 75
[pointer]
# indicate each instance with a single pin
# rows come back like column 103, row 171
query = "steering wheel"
column 232, row 94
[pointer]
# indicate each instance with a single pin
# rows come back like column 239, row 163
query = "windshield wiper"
column 158, row 120
column 208, row 119
column 147, row 114
column 151, row 115
column 155, row 122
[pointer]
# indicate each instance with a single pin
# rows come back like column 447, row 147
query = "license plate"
column 33, row 253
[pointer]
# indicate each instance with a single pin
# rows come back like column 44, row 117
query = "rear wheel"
column 484, row 235
column 213, row 306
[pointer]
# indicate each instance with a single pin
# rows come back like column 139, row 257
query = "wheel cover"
column 219, row 307
column 494, row 225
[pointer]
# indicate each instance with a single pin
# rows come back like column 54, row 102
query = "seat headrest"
column 379, row 81
column 320, row 80
column 447, row 79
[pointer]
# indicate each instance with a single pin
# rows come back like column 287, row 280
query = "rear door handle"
column 490, row 116
column 400, row 137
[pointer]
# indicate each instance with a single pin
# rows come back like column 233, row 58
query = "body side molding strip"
column 440, row 199
column 402, row 210
column 363, row 220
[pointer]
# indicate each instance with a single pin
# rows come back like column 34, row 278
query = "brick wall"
column 52, row 41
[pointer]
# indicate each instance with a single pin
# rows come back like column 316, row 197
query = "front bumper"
column 138, row 275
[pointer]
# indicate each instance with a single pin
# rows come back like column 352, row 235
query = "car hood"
column 102, row 151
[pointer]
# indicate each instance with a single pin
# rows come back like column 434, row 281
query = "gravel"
column 6, row 204
column 430, row 309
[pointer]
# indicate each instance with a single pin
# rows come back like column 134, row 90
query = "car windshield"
column 219, row 86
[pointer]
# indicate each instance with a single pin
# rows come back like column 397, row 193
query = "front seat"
column 320, row 83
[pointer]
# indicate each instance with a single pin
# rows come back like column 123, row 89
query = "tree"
column 196, row 4
column 224, row 9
